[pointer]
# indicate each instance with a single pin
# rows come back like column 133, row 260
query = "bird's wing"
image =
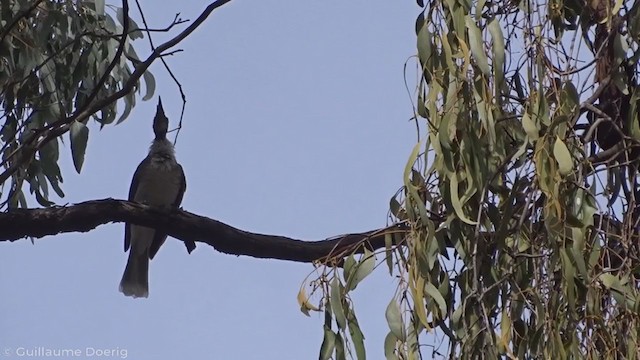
column 189, row 244
column 132, row 193
column 159, row 237
column 183, row 187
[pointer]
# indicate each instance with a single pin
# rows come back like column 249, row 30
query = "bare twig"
column 166, row 66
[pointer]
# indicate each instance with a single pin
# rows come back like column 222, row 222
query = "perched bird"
column 158, row 181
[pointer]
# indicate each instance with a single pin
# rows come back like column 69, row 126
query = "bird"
column 158, row 181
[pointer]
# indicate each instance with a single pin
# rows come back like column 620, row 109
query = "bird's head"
column 160, row 122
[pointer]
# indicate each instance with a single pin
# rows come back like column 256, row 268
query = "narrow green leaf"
column 79, row 134
column 409, row 165
column 425, row 51
column 390, row 347
column 42, row 200
column 479, row 7
column 129, row 103
column 476, row 43
column 616, row 7
column 458, row 14
column 348, row 268
column 570, row 99
column 99, row 7
column 52, row 171
column 569, row 272
column 498, row 52
column 356, row 335
column 610, row 281
column 42, row 183
column 632, row 117
column 433, row 292
column 340, row 353
column 388, row 243
column 363, row 269
column 455, row 199
column 336, row 304
column 576, row 256
column 133, row 34
column 394, row 319
column 456, row 321
column 328, row 344
column 563, row 157
column 507, row 212
column 530, row 127
column 150, row 84
column 448, row 54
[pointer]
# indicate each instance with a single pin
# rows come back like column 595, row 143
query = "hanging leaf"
column 455, row 200
column 79, row 135
column 150, row 83
column 475, row 40
column 394, row 319
column 434, row 293
column 388, row 248
column 336, row 304
column 563, row 157
column 498, row 53
column 425, row 52
column 356, row 335
column 390, row 346
column 340, row 353
column 328, row 344
column 362, row 269
column 349, row 267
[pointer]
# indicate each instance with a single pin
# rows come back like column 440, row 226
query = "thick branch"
column 185, row 226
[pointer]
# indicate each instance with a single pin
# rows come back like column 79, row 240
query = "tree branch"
column 186, row 226
column 60, row 127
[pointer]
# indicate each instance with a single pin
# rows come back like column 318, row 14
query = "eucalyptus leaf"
column 79, row 135
column 434, row 293
column 336, row 304
column 362, row 269
column 498, row 52
column 356, row 335
column 340, row 353
column 150, row 83
column 390, row 347
column 394, row 320
column 349, row 267
column 456, row 201
column 328, row 344
column 563, row 157
column 476, row 43
column 99, row 4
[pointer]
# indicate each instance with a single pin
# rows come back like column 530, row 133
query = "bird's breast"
column 159, row 184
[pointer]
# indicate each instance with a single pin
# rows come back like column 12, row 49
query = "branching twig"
column 166, row 66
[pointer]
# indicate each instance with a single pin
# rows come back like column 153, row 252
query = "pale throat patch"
column 162, row 155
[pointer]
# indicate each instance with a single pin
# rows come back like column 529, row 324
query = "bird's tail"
column 135, row 280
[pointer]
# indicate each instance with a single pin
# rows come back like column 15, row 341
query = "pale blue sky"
column 296, row 124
